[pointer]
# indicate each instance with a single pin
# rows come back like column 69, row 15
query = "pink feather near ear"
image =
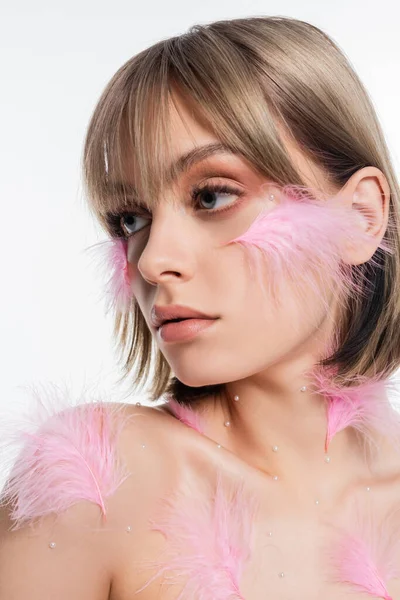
column 300, row 239
column 186, row 415
column 208, row 541
column 367, row 558
column 364, row 405
column 111, row 256
column 69, row 454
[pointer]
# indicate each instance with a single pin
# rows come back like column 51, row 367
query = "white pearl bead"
column 52, row 545
column 303, row 388
column 236, row 398
column 227, row 423
column 281, row 575
column 143, row 445
column 275, row 448
column 138, row 404
column 327, row 459
column 368, row 489
column 218, row 445
column 317, row 502
column 275, row 478
column 129, row 529
column 270, row 533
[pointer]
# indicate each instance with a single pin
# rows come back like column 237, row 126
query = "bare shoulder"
column 149, row 446
column 156, row 448
column 86, row 478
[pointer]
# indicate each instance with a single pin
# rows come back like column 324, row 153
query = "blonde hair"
column 248, row 80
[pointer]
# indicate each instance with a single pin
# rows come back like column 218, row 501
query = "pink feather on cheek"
column 112, row 262
column 301, row 240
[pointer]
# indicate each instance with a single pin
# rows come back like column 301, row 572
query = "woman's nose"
column 169, row 249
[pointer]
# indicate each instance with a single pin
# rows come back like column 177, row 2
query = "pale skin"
column 261, row 354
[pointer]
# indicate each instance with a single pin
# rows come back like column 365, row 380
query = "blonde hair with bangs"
column 251, row 81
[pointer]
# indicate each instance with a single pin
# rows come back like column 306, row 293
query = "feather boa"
column 68, row 454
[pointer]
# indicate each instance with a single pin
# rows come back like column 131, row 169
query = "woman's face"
column 180, row 255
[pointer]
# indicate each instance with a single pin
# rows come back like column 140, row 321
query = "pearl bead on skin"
column 236, row 398
column 227, row 423
column 275, row 448
column 52, row 545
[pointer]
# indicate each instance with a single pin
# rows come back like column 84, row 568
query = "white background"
column 56, row 58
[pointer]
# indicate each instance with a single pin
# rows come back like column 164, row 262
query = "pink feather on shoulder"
column 66, row 453
column 186, row 415
column 209, row 539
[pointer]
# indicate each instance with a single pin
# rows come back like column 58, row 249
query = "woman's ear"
column 367, row 192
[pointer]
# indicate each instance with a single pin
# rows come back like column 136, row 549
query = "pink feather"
column 301, row 239
column 186, row 414
column 364, row 405
column 68, row 454
column 209, row 539
column 367, row 557
column 111, row 258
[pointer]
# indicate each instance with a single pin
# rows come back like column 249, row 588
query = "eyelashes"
column 115, row 220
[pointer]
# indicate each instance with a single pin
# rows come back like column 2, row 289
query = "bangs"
column 127, row 146
column 263, row 86
column 127, row 155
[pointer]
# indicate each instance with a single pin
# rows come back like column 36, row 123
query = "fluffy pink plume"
column 209, row 540
column 111, row 259
column 367, row 557
column 300, row 240
column 187, row 415
column 364, row 405
column 66, row 454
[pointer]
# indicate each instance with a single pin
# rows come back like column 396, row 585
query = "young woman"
column 253, row 218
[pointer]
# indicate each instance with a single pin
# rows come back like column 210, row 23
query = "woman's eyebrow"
column 184, row 163
column 190, row 158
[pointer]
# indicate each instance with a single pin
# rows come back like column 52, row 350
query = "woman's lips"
column 183, row 330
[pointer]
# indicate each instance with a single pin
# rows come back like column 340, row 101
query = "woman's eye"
column 205, row 199
column 207, row 194
column 129, row 223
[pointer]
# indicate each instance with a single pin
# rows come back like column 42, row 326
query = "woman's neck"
column 274, row 425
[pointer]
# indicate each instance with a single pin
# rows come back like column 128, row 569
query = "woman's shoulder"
column 80, row 478
column 60, row 453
